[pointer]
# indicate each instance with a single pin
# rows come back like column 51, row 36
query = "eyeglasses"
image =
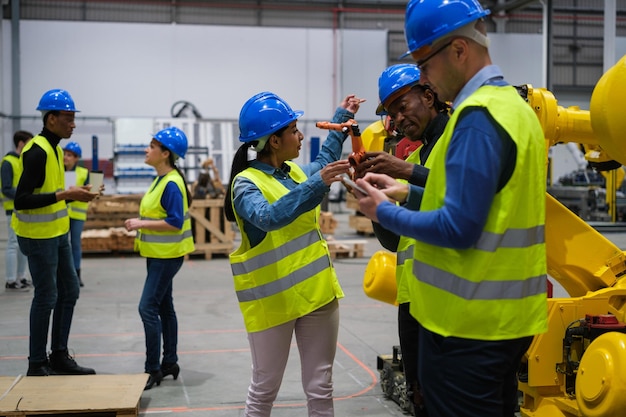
column 420, row 64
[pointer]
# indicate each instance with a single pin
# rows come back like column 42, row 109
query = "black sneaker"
column 15, row 287
column 39, row 369
column 63, row 364
column 26, row 283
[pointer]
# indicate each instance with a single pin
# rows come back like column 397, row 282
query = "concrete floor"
column 214, row 356
column 107, row 335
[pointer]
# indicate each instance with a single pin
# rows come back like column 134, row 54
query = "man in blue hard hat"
column 418, row 114
column 479, row 264
column 41, row 223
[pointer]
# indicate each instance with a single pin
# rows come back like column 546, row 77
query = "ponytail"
column 240, row 163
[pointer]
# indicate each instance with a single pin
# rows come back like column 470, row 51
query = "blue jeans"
column 56, row 288
column 156, row 309
column 15, row 259
column 76, row 229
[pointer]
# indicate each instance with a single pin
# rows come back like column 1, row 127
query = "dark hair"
column 440, row 106
column 54, row 112
column 172, row 161
column 21, row 136
column 240, row 163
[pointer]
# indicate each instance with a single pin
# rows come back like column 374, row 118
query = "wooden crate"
column 328, row 223
column 71, row 395
column 361, row 224
column 104, row 229
column 346, row 248
column 213, row 233
column 112, row 210
column 113, row 239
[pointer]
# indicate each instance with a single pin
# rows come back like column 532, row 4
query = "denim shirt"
column 259, row 216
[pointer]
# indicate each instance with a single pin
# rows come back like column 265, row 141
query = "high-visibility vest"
column 52, row 220
column 14, row 160
column 495, row 290
column 77, row 210
column 166, row 244
column 289, row 273
column 406, row 247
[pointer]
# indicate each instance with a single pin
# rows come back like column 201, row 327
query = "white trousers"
column 316, row 337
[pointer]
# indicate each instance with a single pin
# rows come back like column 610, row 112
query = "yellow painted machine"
column 577, row 368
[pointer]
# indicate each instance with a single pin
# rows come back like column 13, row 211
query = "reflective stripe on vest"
column 164, row 244
column 495, row 290
column 289, row 273
column 16, row 166
column 52, row 220
column 77, row 210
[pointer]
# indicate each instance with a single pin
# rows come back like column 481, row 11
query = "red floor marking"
column 283, row 405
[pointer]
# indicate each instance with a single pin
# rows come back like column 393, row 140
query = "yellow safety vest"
column 406, row 247
column 17, row 171
column 169, row 244
column 495, row 290
column 77, row 210
column 49, row 221
column 289, row 273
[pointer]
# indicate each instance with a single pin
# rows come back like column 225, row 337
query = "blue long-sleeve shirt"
column 6, row 174
column 259, row 216
column 479, row 162
column 172, row 202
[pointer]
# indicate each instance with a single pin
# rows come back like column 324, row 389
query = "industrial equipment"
column 577, row 368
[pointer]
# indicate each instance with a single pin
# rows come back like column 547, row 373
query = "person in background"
column 164, row 238
column 284, row 279
column 77, row 210
column 15, row 260
column 416, row 113
column 479, row 264
column 41, row 224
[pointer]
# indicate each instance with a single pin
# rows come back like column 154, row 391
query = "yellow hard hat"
column 373, row 137
column 379, row 281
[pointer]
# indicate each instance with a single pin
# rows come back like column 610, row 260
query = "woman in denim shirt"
column 284, row 280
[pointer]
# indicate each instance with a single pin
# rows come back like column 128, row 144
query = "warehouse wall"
column 141, row 70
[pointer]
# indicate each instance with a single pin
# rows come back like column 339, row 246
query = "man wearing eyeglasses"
column 479, row 287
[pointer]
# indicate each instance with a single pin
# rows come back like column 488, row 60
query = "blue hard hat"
column 74, row 147
column 395, row 81
column 263, row 114
column 56, row 100
column 173, row 139
column 426, row 21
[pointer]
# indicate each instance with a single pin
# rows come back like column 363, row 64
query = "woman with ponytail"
column 284, row 279
column 164, row 238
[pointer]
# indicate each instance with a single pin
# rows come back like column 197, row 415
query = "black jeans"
column 469, row 378
column 408, row 332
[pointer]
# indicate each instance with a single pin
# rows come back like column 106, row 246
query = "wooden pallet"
column 346, row 248
column 213, row 233
column 104, row 229
column 328, row 223
column 361, row 224
column 71, row 395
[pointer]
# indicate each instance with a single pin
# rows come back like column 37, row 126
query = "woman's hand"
column 331, row 172
column 352, row 103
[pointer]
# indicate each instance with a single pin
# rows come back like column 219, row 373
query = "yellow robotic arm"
column 570, row 371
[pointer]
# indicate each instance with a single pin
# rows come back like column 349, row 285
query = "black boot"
column 155, row 378
column 80, row 280
column 63, row 364
column 39, row 369
column 168, row 368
